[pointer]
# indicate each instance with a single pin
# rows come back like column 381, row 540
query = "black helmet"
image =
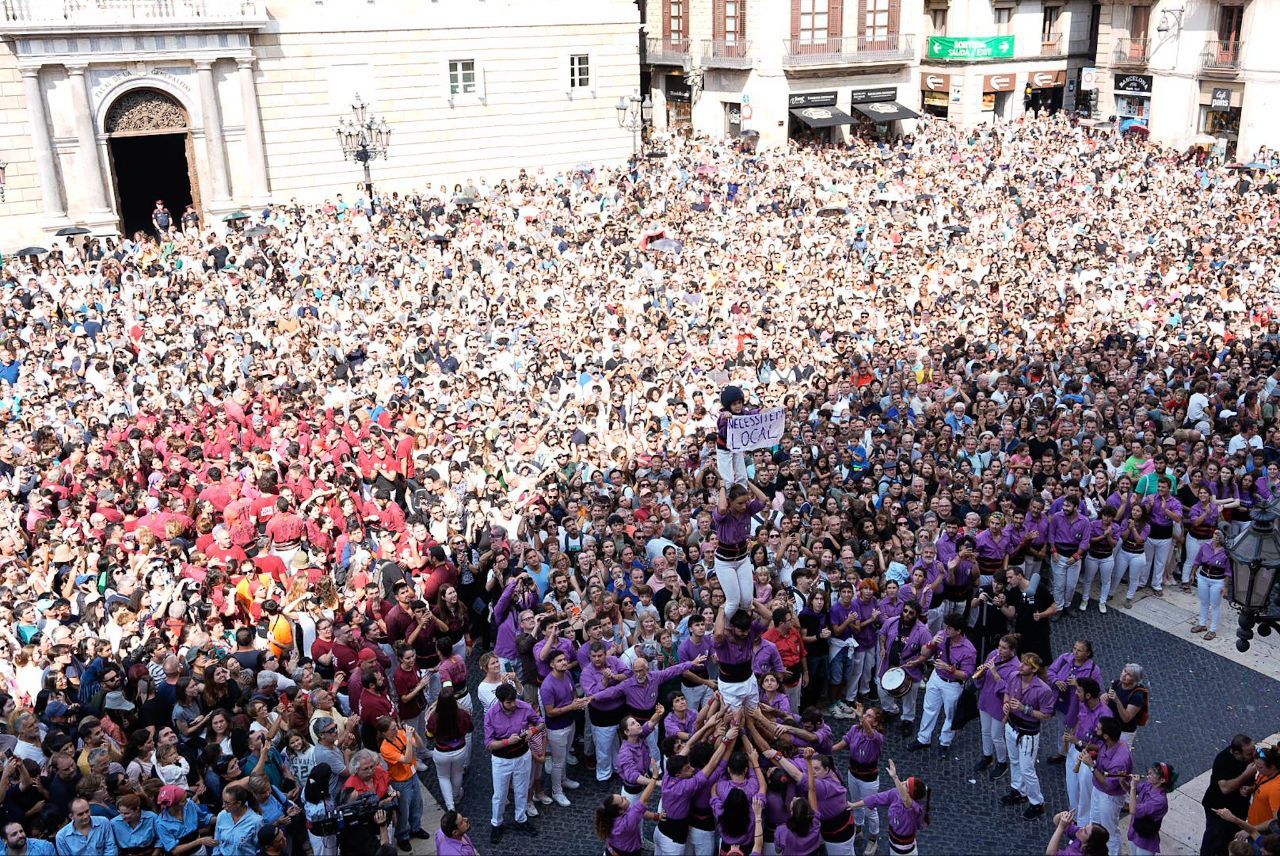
column 729, row 395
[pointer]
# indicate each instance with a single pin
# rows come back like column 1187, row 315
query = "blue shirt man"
column 86, row 835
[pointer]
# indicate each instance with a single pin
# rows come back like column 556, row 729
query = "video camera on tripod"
column 360, row 811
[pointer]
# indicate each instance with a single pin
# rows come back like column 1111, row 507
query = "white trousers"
column 739, row 693
column 1033, row 568
column 1189, row 560
column 732, row 467
column 1022, row 749
column 702, row 841
column 606, row 740
column 450, row 769
column 1134, row 565
column 940, row 697
column 993, row 737
column 1105, row 810
column 511, row 774
column 1066, row 574
column 1092, row 568
column 1079, row 785
column 842, row 848
column 1157, row 552
column 739, row 586
column 905, row 705
column 664, row 846
column 913, row 850
column 1210, row 592
column 862, row 668
column 323, row 845
column 867, row 818
column 558, row 743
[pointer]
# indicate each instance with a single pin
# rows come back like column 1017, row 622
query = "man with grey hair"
column 326, row 751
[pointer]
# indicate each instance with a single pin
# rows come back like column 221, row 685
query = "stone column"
column 216, row 145
column 95, row 188
column 46, row 169
column 259, row 184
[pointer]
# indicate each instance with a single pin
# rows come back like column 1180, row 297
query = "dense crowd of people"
column 271, row 497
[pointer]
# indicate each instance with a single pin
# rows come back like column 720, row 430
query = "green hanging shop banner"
column 994, row 47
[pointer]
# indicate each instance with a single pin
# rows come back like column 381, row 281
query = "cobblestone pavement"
column 1199, row 700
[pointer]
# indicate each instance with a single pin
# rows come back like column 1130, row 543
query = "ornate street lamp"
column 634, row 114
column 1255, row 560
column 363, row 138
column 3, row 167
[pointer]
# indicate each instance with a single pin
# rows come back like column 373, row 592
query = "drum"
column 896, row 682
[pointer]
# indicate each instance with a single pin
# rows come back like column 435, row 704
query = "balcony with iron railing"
column 20, row 17
column 667, row 50
column 1221, row 59
column 726, row 53
column 1132, row 53
column 801, row 53
column 1051, row 44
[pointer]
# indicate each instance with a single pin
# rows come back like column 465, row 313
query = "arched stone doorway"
column 152, row 157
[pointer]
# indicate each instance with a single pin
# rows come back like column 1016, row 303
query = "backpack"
column 1144, row 715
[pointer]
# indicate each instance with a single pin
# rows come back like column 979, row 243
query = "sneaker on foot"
column 496, row 833
column 404, row 846
column 998, row 771
column 543, row 798
column 987, row 761
column 572, row 760
column 917, row 746
column 560, row 800
column 1012, row 798
column 1084, row 605
column 870, row 849
column 526, row 828
column 571, row 784
column 1128, row 603
column 531, row 810
column 1033, row 811
column 1102, row 607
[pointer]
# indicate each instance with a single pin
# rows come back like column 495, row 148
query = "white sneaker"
column 1084, row 605
column 531, row 810
column 570, row 784
column 561, row 800
column 1102, row 607
column 543, row 798
column 572, row 760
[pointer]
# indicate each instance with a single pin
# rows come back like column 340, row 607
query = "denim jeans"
column 409, row 810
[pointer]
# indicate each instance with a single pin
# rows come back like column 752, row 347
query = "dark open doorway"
column 147, row 168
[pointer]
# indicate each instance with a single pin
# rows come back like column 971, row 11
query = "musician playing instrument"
column 902, row 642
column 1082, row 738
column 1111, row 770
column 1028, row 704
column 990, row 677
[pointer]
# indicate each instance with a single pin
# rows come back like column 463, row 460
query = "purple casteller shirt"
column 499, row 725
column 557, row 692
column 645, row 696
column 863, row 747
column 625, row 835
column 1152, row 804
column 544, row 666
column 678, row 794
column 992, row 683
column 446, row 846
column 732, row 650
column 932, row 570
column 767, row 658
column 1035, row 694
column 1103, row 536
column 507, row 615
column 1214, row 556
column 734, row 528
column 789, row 843
column 1069, row 534
column 865, row 637
column 1113, row 759
column 891, row 607
column 689, row 650
column 1117, row 501
column 916, row 638
column 903, row 822
column 1165, row 510
column 1064, row 669
column 1204, row 515
column 633, row 759
column 594, row 683
column 839, row 612
column 720, row 792
column 833, row 796
column 1086, row 724
column 674, row 723
column 991, row 550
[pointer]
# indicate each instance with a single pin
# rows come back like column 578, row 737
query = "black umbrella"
column 31, row 251
column 833, row 211
column 257, row 231
column 655, row 155
column 956, row 230
column 465, row 201
column 67, row 231
column 438, row 239
column 236, row 215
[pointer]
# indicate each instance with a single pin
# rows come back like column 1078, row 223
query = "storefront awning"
column 885, row 111
column 822, row 117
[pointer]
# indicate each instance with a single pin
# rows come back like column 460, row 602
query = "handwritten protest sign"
column 756, row 430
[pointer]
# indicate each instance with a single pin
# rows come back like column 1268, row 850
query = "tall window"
column 462, row 76
column 579, row 71
column 732, row 21
column 876, row 20
column 1004, row 17
column 1139, row 22
column 815, row 21
column 676, row 20
column 1049, row 28
column 938, row 21
column 1230, row 21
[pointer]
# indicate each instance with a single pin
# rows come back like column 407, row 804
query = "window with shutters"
column 938, row 21
column 1139, row 21
column 1049, row 25
column 733, row 22
column 676, row 21
column 815, row 20
column 876, row 20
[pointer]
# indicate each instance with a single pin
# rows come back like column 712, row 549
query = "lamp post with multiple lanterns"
column 1255, row 561
column 363, row 137
column 633, row 114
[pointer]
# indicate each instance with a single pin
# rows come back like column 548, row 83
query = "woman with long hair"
column 619, row 822
column 450, row 726
column 907, row 804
